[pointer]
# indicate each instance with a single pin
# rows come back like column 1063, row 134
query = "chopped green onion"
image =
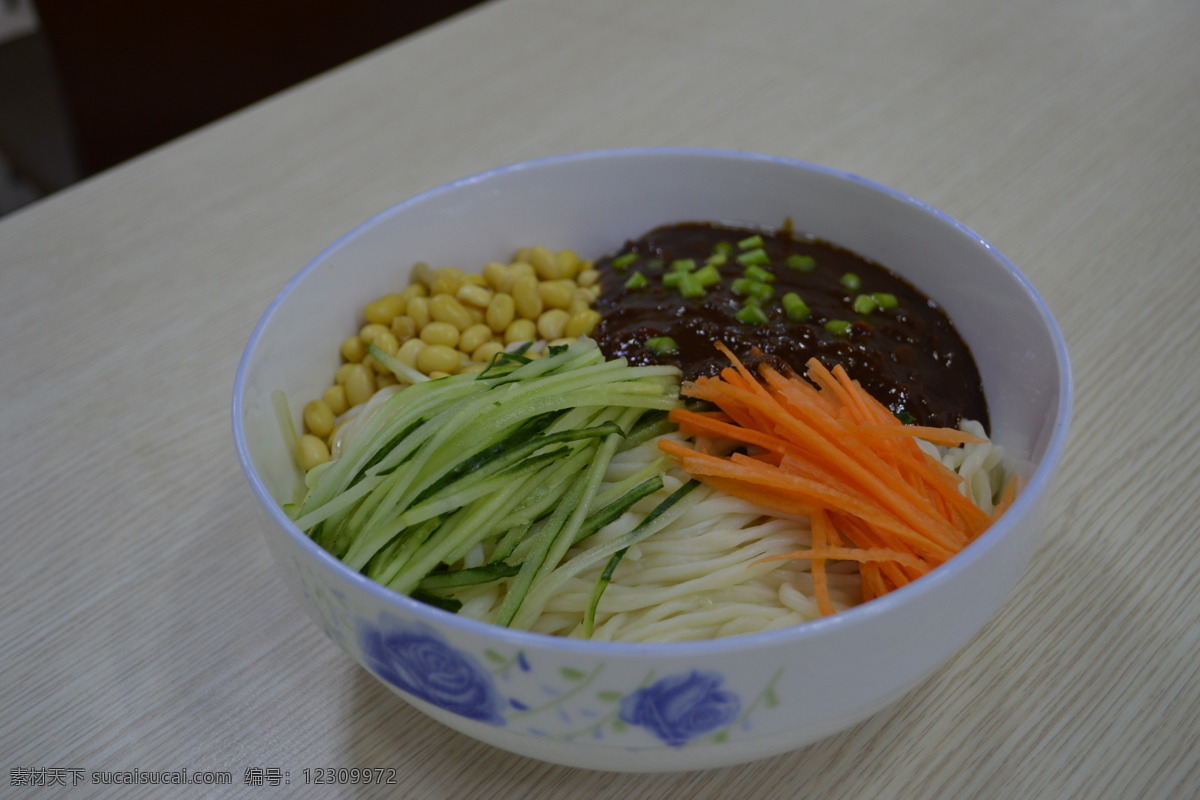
column 751, row 314
column 751, row 241
column 671, row 279
column 623, row 261
column 716, row 259
column 802, row 263
column 662, row 345
column 796, row 309
column 754, row 258
column 683, row 264
column 865, row 304
column 708, row 276
column 838, row 327
column 851, row 281
column 885, row 299
column 759, row 274
column 636, row 281
column 689, row 285
column 723, row 248
column 755, row 290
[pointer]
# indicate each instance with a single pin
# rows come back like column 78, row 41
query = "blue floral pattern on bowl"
column 560, row 703
column 412, row 657
column 678, row 708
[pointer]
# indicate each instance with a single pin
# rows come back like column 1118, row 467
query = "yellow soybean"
column 500, row 312
column 474, row 336
column 353, row 349
column 582, row 323
column 527, row 297
column 335, row 398
column 551, row 324
column 312, row 451
column 318, row 418
column 438, row 358
column 520, row 330
column 445, row 308
column 442, row 333
column 385, row 309
column 360, row 384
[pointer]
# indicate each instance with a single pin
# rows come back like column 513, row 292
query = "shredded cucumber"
column 510, row 459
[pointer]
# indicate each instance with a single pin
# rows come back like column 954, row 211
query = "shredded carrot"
column 825, row 448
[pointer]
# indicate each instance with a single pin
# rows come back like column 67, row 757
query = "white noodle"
column 702, row 576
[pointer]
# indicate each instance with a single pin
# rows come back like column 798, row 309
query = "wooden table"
column 144, row 626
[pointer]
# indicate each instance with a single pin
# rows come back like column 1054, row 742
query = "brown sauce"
column 907, row 355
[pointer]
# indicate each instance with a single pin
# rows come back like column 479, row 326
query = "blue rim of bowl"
column 1038, row 482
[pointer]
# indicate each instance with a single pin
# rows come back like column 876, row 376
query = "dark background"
column 102, row 81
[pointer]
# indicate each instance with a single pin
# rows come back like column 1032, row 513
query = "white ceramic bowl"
column 647, row 707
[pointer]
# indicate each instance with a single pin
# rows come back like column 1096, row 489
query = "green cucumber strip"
column 398, row 368
column 491, row 461
column 616, row 508
column 400, row 411
column 589, row 616
column 340, row 503
column 449, row 501
column 654, row 469
column 468, row 525
column 543, row 539
column 652, row 425
column 467, row 577
column 283, row 416
column 592, row 478
column 444, row 603
column 395, row 553
column 370, row 539
column 663, row 514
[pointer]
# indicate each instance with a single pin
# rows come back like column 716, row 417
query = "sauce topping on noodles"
column 884, row 331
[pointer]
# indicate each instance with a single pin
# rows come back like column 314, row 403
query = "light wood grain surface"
column 144, row 626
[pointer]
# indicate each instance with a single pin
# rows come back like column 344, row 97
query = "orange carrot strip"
column 899, row 498
column 820, row 524
column 851, row 554
column 946, row 437
column 830, row 450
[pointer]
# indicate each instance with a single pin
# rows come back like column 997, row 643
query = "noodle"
column 702, row 576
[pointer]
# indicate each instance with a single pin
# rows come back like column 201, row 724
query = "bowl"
column 676, row 706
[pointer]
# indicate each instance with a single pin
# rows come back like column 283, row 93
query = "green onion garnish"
column 754, row 258
column 689, row 285
column 851, row 281
column 751, row 241
column 723, row 248
column 838, row 327
column 751, row 314
column 796, row 309
column 754, row 290
column 905, row 417
column 636, row 281
column 708, row 276
column 683, row 264
column 885, row 299
column 802, row 263
column 759, row 274
column 716, row 259
column 865, row 304
column 623, row 261
column 663, row 345
column 671, row 279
